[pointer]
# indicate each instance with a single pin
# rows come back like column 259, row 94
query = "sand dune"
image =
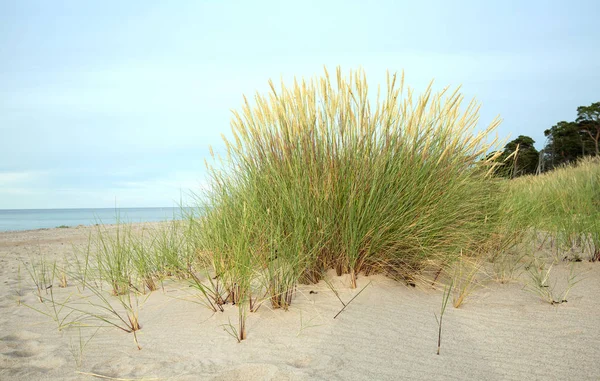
column 387, row 333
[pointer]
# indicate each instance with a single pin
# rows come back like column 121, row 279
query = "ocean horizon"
column 31, row 219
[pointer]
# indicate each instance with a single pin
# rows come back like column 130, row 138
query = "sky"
column 115, row 103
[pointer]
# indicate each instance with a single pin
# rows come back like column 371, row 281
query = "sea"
column 30, row 219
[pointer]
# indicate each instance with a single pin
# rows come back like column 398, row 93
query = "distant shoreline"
column 73, row 209
column 37, row 219
column 80, row 227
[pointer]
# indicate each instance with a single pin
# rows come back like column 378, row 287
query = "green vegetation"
column 518, row 158
column 588, row 118
column 77, row 350
column 439, row 320
column 540, row 283
column 317, row 177
column 566, row 142
column 564, row 203
column 41, row 274
column 464, row 272
column 325, row 175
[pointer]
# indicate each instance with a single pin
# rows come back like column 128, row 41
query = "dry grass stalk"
column 464, row 279
column 63, row 280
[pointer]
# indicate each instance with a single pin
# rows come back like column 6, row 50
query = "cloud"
column 20, row 190
column 8, row 179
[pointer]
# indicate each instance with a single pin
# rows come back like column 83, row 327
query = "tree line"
column 565, row 143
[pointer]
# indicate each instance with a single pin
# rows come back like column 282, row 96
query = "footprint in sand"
column 21, row 336
column 23, row 354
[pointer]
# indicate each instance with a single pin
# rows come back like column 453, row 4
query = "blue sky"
column 119, row 100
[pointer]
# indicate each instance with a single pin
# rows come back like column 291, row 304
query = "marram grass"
column 564, row 203
column 322, row 174
column 325, row 175
column 319, row 175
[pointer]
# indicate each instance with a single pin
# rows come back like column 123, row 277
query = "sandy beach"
column 389, row 332
column 276, row 190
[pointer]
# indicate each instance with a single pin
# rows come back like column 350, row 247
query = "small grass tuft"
column 540, row 282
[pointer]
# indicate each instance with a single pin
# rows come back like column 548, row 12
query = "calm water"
column 27, row 219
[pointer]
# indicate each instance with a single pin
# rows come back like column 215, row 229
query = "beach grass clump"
column 145, row 266
column 326, row 175
column 540, row 283
column 98, row 309
column 564, row 203
column 114, row 257
column 168, row 249
column 41, row 273
column 111, row 257
column 127, row 259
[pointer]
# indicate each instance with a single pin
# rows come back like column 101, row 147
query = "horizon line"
column 120, row 207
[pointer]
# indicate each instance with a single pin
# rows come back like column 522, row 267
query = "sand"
column 388, row 332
